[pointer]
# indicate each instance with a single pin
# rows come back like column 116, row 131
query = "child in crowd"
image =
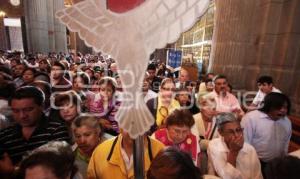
column 104, row 105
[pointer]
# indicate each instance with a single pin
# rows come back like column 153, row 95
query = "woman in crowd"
column 28, row 76
column 69, row 107
column 164, row 104
column 205, row 128
column 44, row 65
column 178, row 133
column 81, row 82
column 186, row 99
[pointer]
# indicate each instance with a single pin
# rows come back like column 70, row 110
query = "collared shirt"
column 227, row 103
column 258, row 99
column 13, row 142
column 107, row 161
column 128, row 160
column 270, row 138
column 247, row 163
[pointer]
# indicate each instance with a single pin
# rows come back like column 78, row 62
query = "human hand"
column 236, row 143
column 105, row 123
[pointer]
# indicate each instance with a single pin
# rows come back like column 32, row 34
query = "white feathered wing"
column 130, row 38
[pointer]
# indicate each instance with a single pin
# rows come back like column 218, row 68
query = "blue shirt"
column 270, row 138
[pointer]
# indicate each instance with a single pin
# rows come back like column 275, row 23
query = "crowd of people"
column 58, row 120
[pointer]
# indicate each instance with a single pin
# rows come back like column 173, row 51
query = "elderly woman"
column 205, row 128
column 164, row 104
column 178, row 133
column 67, row 106
column 87, row 134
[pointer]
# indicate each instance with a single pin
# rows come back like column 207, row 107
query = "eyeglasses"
column 232, row 132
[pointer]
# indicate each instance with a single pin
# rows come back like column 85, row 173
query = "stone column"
column 60, row 35
column 44, row 32
column 36, row 25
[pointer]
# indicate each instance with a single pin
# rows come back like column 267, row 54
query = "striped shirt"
column 13, row 142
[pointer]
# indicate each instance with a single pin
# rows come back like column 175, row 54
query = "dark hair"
column 171, row 163
column 33, row 70
column 151, row 66
column 273, row 101
column 29, row 92
column 57, row 63
column 265, row 79
column 85, row 77
column 56, row 156
column 67, row 98
column 219, row 77
column 180, row 117
column 108, row 81
column 283, row 168
column 46, row 87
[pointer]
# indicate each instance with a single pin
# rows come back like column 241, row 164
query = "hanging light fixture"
column 15, row 2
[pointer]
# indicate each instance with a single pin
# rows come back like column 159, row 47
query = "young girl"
column 104, row 105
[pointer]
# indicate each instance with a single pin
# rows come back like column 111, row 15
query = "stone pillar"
column 258, row 37
column 4, row 45
column 36, row 25
column 59, row 29
column 44, row 32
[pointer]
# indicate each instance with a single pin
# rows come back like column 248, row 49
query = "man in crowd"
column 114, row 157
column 269, row 129
column 58, row 81
column 265, row 86
column 32, row 128
column 152, row 78
column 231, row 157
column 225, row 101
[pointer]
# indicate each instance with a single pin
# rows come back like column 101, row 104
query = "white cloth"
column 270, row 138
column 247, row 163
column 258, row 99
column 128, row 160
column 198, row 129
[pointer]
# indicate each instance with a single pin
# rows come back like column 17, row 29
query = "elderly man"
column 269, row 129
column 32, row 128
column 225, row 101
column 230, row 156
column 114, row 157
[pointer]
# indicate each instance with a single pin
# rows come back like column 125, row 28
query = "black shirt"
column 13, row 142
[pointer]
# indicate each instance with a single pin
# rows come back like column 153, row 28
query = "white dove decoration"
column 130, row 38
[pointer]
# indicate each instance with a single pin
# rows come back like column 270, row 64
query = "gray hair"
column 224, row 118
column 88, row 121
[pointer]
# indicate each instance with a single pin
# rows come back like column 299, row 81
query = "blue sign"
column 174, row 58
